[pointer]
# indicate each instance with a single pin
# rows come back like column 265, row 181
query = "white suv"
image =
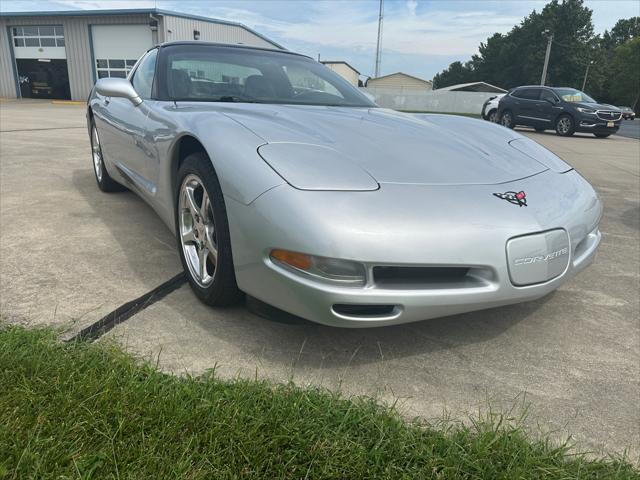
column 490, row 108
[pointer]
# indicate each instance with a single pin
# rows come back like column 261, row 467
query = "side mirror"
column 552, row 101
column 118, row 87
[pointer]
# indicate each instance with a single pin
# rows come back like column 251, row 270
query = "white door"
column 116, row 48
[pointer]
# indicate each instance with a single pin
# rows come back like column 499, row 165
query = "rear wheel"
column 506, row 120
column 105, row 182
column 602, row 135
column 202, row 232
column 565, row 126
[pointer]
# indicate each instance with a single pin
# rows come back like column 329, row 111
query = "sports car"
column 284, row 182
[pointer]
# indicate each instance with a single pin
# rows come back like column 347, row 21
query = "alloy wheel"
column 506, row 120
column 493, row 117
column 96, row 153
column 197, row 230
column 564, row 125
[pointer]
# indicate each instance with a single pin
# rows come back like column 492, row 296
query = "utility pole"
column 379, row 42
column 584, row 83
column 546, row 57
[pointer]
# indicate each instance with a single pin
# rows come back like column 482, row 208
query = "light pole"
column 586, row 73
column 376, row 73
column 546, row 57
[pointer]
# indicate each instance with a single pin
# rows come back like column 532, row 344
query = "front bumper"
column 384, row 228
column 595, row 125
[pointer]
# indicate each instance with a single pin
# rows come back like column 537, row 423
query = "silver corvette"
column 282, row 181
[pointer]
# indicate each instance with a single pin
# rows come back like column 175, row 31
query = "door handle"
column 107, row 100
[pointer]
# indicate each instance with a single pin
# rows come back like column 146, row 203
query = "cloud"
column 105, row 4
column 408, row 27
column 420, row 37
column 412, row 6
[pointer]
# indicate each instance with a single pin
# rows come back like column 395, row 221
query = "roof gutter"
column 153, row 16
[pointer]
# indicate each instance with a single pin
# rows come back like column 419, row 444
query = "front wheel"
column 565, row 126
column 493, row 116
column 602, row 135
column 104, row 180
column 202, row 232
column 506, row 120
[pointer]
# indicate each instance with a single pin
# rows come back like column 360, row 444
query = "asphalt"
column 630, row 129
column 70, row 254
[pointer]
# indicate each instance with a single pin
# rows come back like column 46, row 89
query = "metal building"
column 61, row 54
column 400, row 80
column 343, row 69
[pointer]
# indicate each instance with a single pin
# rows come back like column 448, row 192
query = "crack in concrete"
column 128, row 310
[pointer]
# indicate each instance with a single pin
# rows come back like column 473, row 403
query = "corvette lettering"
column 541, row 258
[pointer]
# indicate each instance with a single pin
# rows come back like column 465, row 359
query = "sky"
column 420, row 37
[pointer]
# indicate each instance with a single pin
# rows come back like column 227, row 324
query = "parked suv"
column 490, row 108
column 566, row 110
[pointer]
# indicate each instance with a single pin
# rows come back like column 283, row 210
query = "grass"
column 90, row 411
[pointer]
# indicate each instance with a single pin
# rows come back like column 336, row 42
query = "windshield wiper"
column 234, row 98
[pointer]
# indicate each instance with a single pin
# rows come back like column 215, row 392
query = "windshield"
column 573, row 95
column 210, row 73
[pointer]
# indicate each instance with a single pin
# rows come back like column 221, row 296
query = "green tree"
column 517, row 57
column 602, row 81
column 456, row 73
column 625, row 68
column 624, row 29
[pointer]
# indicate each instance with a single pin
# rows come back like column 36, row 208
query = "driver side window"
column 548, row 96
column 303, row 81
column 143, row 76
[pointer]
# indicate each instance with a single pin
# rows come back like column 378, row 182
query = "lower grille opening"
column 418, row 274
column 398, row 277
column 349, row 310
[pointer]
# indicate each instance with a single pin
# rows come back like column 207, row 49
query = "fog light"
column 331, row 269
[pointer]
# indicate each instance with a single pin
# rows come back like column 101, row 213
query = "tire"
column 103, row 179
column 203, row 233
column 506, row 119
column 565, row 126
column 540, row 129
column 602, row 135
column 493, row 116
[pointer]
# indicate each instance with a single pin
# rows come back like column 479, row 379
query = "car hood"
column 393, row 147
column 597, row 106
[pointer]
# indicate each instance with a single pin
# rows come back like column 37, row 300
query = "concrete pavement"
column 70, row 254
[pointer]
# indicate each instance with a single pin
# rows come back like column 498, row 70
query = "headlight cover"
column 334, row 270
column 586, row 110
column 315, row 167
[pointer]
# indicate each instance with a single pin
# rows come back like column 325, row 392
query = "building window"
column 38, row 36
column 114, row 67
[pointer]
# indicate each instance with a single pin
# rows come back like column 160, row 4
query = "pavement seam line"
column 128, row 310
column 40, row 129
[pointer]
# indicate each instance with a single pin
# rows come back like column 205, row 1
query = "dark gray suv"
column 565, row 110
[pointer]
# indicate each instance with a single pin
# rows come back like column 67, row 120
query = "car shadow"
column 286, row 342
column 148, row 245
column 150, row 250
column 552, row 133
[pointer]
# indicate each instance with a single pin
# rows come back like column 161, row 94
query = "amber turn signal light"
column 297, row 260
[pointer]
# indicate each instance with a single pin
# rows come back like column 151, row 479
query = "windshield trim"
column 273, row 102
column 353, row 97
